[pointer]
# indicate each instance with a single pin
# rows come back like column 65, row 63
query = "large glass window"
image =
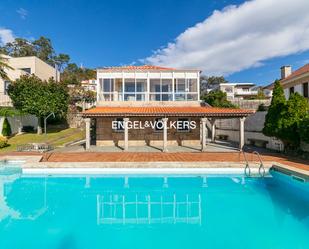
column 161, row 89
column 119, row 127
column 108, row 85
column 141, row 85
column 107, row 89
column 134, row 89
column 192, row 85
column 155, row 85
column 186, row 89
column 180, row 85
column 183, row 125
column 129, row 85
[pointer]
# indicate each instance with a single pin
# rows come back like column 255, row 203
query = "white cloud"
column 6, row 35
column 240, row 37
column 22, row 13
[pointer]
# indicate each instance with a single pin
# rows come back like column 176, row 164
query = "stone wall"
column 105, row 135
column 253, row 130
column 17, row 122
column 250, row 104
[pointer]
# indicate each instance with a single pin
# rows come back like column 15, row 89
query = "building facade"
column 296, row 81
column 152, row 106
column 237, row 91
column 24, row 66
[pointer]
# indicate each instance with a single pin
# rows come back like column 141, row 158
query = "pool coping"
column 34, row 165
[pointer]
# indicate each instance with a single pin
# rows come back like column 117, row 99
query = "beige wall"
column 105, row 135
column 37, row 66
column 297, row 83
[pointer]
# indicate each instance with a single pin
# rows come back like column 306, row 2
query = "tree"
column 73, row 75
column 61, row 60
column 3, row 66
column 218, row 99
column 210, row 81
column 41, row 48
column 80, row 95
column 18, row 48
column 272, row 124
column 31, row 95
column 44, row 50
column 304, row 129
column 294, row 112
column 6, row 128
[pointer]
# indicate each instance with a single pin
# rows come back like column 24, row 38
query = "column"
column 213, row 129
column 241, row 133
column 126, row 133
column 20, row 124
column 164, row 134
column 204, row 133
column 87, row 122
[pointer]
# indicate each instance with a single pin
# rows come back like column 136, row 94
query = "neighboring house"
column 151, row 105
column 89, row 85
column 296, row 81
column 268, row 90
column 237, row 91
column 24, row 66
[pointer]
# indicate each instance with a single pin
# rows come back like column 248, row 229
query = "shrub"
column 218, row 99
column 304, row 130
column 6, row 129
column 295, row 111
column 273, row 117
column 3, row 142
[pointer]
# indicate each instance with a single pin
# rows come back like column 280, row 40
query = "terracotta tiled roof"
column 138, row 68
column 298, row 72
column 166, row 111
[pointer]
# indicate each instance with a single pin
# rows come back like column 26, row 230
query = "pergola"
column 165, row 112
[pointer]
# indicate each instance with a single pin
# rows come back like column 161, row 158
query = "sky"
column 246, row 41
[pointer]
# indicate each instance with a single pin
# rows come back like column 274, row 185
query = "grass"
column 55, row 137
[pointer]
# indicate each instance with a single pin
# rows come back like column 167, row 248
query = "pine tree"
column 272, row 125
column 6, row 128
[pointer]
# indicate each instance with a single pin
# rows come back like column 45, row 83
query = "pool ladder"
column 262, row 171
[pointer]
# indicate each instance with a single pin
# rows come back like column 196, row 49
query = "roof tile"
column 166, row 110
column 298, row 72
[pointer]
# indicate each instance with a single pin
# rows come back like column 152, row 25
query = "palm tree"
column 3, row 66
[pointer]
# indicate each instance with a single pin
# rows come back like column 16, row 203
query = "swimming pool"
column 140, row 212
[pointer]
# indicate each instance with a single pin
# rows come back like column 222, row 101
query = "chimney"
column 285, row 71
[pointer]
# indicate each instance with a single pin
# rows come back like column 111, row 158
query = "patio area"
column 218, row 146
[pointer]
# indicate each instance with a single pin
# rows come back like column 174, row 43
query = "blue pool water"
column 91, row 212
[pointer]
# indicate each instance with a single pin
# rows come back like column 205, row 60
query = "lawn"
column 54, row 137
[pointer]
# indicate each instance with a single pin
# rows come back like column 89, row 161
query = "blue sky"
column 108, row 33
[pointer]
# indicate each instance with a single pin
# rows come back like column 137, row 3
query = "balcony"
column 145, row 96
column 245, row 92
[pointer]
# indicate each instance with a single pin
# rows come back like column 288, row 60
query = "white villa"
column 146, row 94
column 237, row 91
